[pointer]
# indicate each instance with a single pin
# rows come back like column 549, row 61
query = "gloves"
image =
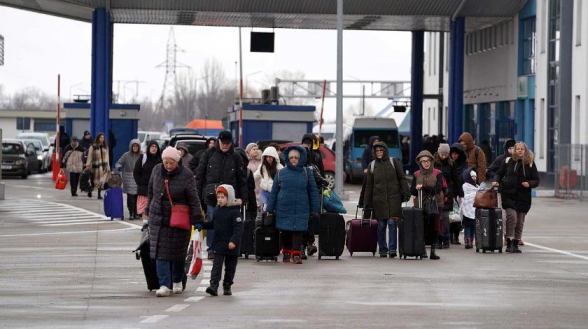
column 198, row 227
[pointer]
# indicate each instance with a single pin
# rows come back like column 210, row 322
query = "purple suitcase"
column 362, row 235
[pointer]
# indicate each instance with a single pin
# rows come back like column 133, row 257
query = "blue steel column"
column 416, row 95
column 456, row 62
column 101, row 72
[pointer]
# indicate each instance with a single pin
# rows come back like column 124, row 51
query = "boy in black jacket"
column 228, row 229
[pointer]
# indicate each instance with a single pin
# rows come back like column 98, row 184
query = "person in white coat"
column 264, row 175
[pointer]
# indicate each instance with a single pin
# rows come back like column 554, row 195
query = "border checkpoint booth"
column 123, row 124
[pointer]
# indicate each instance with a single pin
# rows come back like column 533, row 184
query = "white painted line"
column 206, row 262
column 207, row 268
column 563, row 252
column 177, row 308
column 83, row 223
column 282, row 321
column 88, row 219
column 193, row 299
column 415, row 304
column 154, row 318
column 201, row 289
column 206, row 275
column 205, row 282
column 133, row 225
column 58, row 233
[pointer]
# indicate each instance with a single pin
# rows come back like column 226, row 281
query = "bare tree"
column 185, row 100
column 289, row 88
column 213, row 100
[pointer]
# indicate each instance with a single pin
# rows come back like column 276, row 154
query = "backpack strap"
column 144, row 159
column 373, row 164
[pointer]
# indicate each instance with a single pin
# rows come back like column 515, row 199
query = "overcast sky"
column 38, row 47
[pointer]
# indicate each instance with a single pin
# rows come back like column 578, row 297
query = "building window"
column 529, row 38
column 23, row 123
column 553, row 83
column 44, row 125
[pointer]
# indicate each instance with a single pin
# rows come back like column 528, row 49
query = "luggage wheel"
column 319, row 257
column 477, row 250
column 246, row 256
column 483, row 251
column 500, row 251
column 350, row 253
column 337, row 257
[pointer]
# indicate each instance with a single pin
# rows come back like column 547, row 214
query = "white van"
column 145, row 136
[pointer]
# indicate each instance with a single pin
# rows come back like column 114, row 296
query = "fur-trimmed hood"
column 527, row 158
column 231, row 200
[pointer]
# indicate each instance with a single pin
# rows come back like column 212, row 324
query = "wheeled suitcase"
column 267, row 243
column 411, row 233
column 247, row 245
column 113, row 203
column 86, row 182
column 362, row 235
column 331, row 235
column 489, row 230
column 149, row 267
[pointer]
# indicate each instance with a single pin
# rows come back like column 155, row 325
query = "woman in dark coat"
column 459, row 158
column 386, row 187
column 368, row 154
column 429, row 182
column 168, row 245
column 451, row 172
column 516, row 177
column 293, row 199
column 142, row 174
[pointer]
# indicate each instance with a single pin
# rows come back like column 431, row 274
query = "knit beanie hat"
column 443, row 148
column 223, row 190
column 172, row 153
column 509, row 143
column 249, row 147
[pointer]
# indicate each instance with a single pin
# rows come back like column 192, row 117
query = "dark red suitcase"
column 362, row 235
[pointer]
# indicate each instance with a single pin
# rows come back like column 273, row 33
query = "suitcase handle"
column 362, row 213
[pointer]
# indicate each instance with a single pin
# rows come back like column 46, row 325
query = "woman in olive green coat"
column 386, row 188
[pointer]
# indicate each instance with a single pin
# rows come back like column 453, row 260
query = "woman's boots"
column 515, row 247
column 287, row 253
column 433, row 255
column 508, row 245
column 99, row 196
column 296, row 257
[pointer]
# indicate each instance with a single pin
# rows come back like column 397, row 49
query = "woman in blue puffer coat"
column 294, row 198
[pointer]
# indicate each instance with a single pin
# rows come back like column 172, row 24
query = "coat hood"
column 372, row 139
column 156, row 155
column 380, row 144
column 301, row 162
column 133, row 142
column 458, row 148
column 446, row 161
column 467, row 177
column 183, row 147
column 243, row 155
column 468, row 139
column 271, row 152
column 425, row 154
column 507, row 144
column 309, row 137
column 527, row 157
column 231, row 200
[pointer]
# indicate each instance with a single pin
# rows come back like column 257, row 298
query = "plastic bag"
column 455, row 215
column 332, row 202
column 61, row 181
column 195, row 255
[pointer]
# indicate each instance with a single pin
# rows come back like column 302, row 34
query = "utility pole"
column 170, row 64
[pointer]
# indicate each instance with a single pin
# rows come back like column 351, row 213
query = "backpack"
column 373, row 164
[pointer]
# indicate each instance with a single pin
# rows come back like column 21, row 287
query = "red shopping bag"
column 196, row 261
column 61, row 181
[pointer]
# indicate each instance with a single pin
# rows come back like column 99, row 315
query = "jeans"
column 230, row 269
column 382, row 224
column 264, row 197
column 209, row 233
column 469, row 227
column 166, row 270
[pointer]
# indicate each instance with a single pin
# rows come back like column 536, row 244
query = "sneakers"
column 434, row 254
column 178, row 288
column 521, row 242
column 311, row 250
column 296, row 257
column 440, row 243
column 212, row 290
column 515, row 247
column 163, row 291
column 509, row 245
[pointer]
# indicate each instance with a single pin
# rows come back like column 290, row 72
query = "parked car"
column 163, row 142
column 193, row 142
column 329, row 162
column 48, row 150
column 43, row 160
column 262, row 144
column 146, row 136
column 16, row 157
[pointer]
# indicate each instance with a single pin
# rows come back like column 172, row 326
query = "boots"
column 469, row 242
column 456, row 239
column 90, row 194
column 509, row 245
column 213, row 289
column 515, row 247
column 424, row 255
column 296, row 257
column 99, row 196
column 303, row 252
column 433, row 254
column 312, row 249
column 287, row 255
column 445, row 243
column 227, row 290
column 440, row 243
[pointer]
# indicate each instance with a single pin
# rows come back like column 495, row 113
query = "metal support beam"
column 339, row 130
column 566, row 49
column 416, row 96
column 456, row 62
column 101, row 72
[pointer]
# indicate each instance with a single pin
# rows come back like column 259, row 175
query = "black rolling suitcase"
column 267, row 243
column 489, row 230
column 149, row 267
column 331, row 235
column 247, row 246
column 411, row 232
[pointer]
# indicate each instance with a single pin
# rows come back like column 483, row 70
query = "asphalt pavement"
column 64, row 265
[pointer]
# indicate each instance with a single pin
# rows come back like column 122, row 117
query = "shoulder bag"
column 180, row 214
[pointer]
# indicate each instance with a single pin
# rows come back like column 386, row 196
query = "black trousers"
column 292, row 240
column 309, row 236
column 74, row 179
column 230, row 263
column 132, row 203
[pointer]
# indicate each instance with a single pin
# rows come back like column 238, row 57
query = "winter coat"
column 126, row 164
column 452, row 177
column 99, row 163
column 193, row 164
column 495, row 166
column 168, row 243
column 368, row 154
column 262, row 175
column 73, row 159
column 432, row 186
column 467, row 205
column 216, row 168
column 511, row 175
column 294, row 194
column 227, row 225
column 386, row 186
column 473, row 161
column 85, row 143
column 251, row 201
column 253, row 165
column 144, row 167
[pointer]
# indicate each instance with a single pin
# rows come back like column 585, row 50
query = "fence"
column 571, row 171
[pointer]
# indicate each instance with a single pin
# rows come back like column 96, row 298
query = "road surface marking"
column 204, row 282
column 58, row 233
column 82, row 223
column 563, row 252
column 201, row 289
column 193, row 299
column 177, row 308
column 206, row 275
column 414, row 304
column 207, row 268
column 154, row 318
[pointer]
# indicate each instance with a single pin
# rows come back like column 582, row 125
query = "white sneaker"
column 163, row 292
column 178, row 288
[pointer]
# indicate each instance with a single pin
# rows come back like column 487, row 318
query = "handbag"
column 61, row 181
column 455, row 215
column 486, row 199
column 180, row 214
column 430, row 206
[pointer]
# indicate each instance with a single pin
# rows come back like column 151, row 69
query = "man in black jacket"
column 220, row 165
column 210, row 142
column 495, row 166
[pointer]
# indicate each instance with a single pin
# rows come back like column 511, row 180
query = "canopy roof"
column 388, row 15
